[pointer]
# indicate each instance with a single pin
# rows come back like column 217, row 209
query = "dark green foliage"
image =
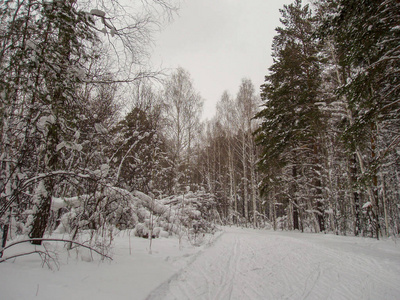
column 331, row 112
column 290, row 117
column 140, row 159
column 367, row 39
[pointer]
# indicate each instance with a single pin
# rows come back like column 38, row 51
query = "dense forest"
column 91, row 139
column 329, row 133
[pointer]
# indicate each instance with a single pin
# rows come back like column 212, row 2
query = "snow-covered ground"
column 235, row 264
column 251, row 264
column 132, row 274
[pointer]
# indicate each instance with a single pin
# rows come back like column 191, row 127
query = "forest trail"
column 254, row 264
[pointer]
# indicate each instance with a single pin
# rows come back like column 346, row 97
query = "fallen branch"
column 23, row 254
column 50, row 240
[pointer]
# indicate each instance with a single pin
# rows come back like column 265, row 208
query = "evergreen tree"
column 292, row 123
column 366, row 37
column 140, row 159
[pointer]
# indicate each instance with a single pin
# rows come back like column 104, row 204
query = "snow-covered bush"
column 195, row 211
column 112, row 206
column 191, row 213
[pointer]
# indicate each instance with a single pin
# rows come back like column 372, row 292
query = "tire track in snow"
column 178, row 287
column 250, row 264
column 228, row 276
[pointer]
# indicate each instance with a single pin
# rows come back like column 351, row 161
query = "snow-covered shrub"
column 157, row 231
column 141, row 230
column 192, row 213
column 112, row 206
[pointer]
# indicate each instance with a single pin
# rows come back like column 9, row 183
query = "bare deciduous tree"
column 184, row 108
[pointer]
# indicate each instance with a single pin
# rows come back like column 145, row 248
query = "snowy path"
column 251, row 264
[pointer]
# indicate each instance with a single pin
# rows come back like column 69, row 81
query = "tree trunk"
column 384, row 204
column 253, row 181
column 356, row 198
column 375, row 180
column 273, row 210
column 41, row 217
column 318, row 188
column 294, row 200
column 40, row 220
column 232, row 189
column 244, row 179
column 4, row 238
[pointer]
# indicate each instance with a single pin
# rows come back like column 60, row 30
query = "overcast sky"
column 219, row 42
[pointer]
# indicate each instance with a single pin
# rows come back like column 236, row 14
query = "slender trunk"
column 244, row 179
column 377, row 226
column 273, row 209
column 371, row 195
column 384, row 204
column 294, row 200
column 253, row 181
column 355, row 197
column 5, row 234
column 122, row 162
column 235, row 200
column 41, row 217
column 333, row 200
column 318, row 189
column 232, row 189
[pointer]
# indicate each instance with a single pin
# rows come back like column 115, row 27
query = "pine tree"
column 290, row 132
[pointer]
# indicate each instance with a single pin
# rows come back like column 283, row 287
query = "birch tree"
column 183, row 110
column 226, row 113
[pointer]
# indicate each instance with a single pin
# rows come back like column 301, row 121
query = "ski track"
column 251, row 264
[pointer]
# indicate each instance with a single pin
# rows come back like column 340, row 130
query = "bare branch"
column 53, row 240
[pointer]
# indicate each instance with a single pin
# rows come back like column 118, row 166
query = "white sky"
column 219, row 42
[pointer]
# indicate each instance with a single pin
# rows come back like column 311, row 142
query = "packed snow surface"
column 235, row 264
column 251, row 264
